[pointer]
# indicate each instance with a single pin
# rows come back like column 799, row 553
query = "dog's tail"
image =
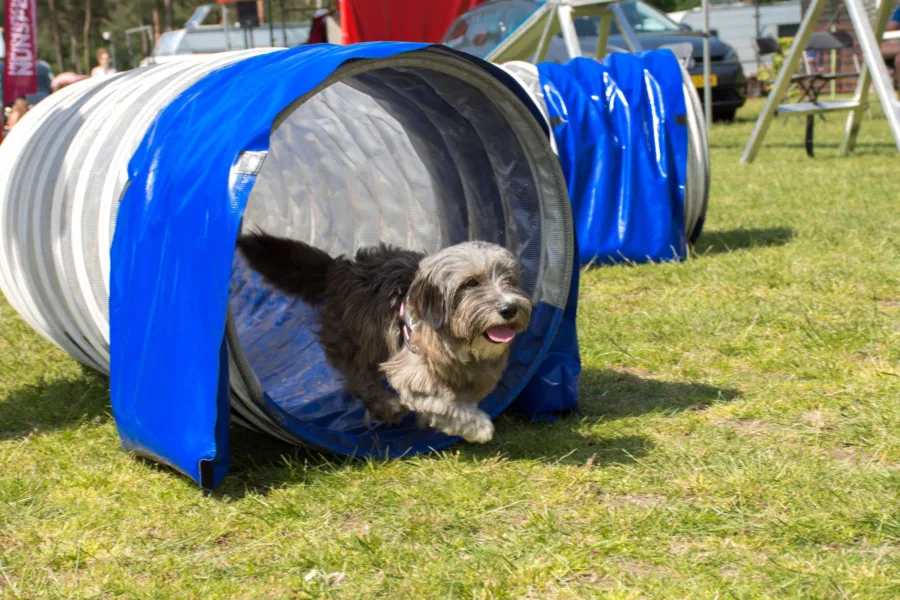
column 293, row 267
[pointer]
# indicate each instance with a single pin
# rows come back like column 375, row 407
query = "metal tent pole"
column 851, row 130
column 871, row 50
column 269, row 18
column 783, row 82
column 707, row 91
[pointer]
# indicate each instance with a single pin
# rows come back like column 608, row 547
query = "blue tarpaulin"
column 620, row 128
column 173, row 275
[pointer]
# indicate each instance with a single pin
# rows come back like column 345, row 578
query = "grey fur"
column 454, row 297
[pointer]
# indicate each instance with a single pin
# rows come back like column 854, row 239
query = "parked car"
column 209, row 39
column 44, row 77
column 480, row 30
column 197, row 38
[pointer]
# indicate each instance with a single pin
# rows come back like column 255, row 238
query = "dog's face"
column 471, row 291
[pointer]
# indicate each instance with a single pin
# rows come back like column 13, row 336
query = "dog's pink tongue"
column 501, row 335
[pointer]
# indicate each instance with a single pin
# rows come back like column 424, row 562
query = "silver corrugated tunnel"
column 420, row 148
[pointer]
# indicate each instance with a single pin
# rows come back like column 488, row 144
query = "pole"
column 283, row 27
column 225, row 27
column 833, row 66
column 756, row 16
column 783, row 81
column 863, row 83
column 707, row 91
column 269, row 14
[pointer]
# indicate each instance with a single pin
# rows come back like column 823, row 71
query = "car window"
column 488, row 31
column 167, row 44
column 516, row 16
column 459, row 33
column 586, row 26
column 643, row 18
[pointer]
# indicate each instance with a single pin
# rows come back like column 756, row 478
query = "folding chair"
column 812, row 83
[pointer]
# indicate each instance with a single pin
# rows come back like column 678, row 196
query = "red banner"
column 400, row 20
column 20, row 67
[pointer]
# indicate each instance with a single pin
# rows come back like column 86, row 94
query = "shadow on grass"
column 55, row 405
column 830, row 149
column 720, row 242
column 618, row 394
column 261, row 464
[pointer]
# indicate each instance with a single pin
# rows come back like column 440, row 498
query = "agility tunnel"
column 121, row 200
column 629, row 132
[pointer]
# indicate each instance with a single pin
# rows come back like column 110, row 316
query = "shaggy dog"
column 437, row 327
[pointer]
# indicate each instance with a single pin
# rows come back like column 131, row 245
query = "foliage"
column 740, row 438
column 768, row 72
column 81, row 24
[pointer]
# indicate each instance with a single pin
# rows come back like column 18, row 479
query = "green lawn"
column 740, row 438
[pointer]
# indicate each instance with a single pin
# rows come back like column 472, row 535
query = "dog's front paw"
column 479, row 430
column 385, row 409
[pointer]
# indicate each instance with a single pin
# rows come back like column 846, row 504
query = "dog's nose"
column 508, row 311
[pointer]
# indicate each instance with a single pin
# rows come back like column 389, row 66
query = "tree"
column 87, row 35
column 54, row 31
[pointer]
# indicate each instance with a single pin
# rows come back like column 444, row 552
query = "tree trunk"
column 73, row 52
column 88, row 21
column 54, row 31
column 73, row 39
column 156, row 32
column 170, row 17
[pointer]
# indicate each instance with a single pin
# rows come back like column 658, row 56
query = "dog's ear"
column 293, row 267
column 428, row 300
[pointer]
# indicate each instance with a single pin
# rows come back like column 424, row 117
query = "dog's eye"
column 472, row 283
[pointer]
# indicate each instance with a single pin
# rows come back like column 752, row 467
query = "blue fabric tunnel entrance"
column 341, row 148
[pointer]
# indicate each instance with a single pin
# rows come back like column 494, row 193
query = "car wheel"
column 724, row 114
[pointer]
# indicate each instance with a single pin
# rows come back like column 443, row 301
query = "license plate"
column 698, row 80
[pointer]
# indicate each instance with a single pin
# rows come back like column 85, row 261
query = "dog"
column 437, row 327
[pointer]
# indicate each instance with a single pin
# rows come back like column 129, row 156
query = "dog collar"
column 407, row 326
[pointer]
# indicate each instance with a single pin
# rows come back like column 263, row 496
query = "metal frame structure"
column 874, row 71
column 556, row 16
column 532, row 38
column 531, row 41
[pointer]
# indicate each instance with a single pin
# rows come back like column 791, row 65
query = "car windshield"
column 167, row 44
column 643, row 18
column 479, row 31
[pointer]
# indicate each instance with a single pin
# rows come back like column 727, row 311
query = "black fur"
column 361, row 329
column 456, row 297
column 293, row 267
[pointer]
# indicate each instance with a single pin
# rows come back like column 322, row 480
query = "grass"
column 740, row 438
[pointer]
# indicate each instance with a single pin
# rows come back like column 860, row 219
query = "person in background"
column 104, row 67
column 318, row 29
column 18, row 110
column 64, row 79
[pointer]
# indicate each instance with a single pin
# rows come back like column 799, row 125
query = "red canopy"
column 399, row 20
